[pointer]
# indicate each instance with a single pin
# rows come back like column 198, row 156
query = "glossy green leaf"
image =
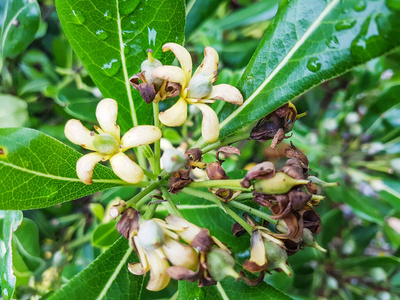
column 229, row 289
column 308, row 43
column 106, row 278
column 111, row 38
column 14, row 111
column 8, row 224
column 39, row 171
column 19, row 23
column 105, row 234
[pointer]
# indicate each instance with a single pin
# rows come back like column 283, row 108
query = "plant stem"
column 157, row 150
column 252, row 211
column 233, row 184
column 224, row 141
column 244, row 196
column 143, row 193
column 238, row 219
column 150, row 211
column 80, row 241
column 170, row 205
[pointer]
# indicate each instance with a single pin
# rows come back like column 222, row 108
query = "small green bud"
column 148, row 66
column 173, row 159
column 281, row 183
column 199, row 86
column 151, row 236
column 60, row 259
column 220, row 264
column 276, row 257
column 106, row 143
column 308, row 240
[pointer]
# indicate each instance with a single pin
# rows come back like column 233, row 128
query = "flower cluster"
column 201, row 257
column 160, row 82
column 107, row 143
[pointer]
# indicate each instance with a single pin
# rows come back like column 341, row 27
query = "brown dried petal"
column 203, row 241
column 194, row 154
column 266, row 128
column 181, row 273
column 252, row 282
column 263, row 199
column 237, row 229
column 147, row 92
column 293, row 152
column 252, row 267
column 179, row 180
column 282, row 111
column 298, row 199
column 312, row 188
column 129, row 222
column 311, row 220
column 282, row 207
column 278, row 138
column 263, row 170
column 216, row 172
column 227, row 150
column 134, row 80
column 173, row 89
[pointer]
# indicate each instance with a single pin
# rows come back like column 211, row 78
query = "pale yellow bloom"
column 108, row 144
column 196, row 89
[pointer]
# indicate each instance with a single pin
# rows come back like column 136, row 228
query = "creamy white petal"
column 210, row 124
column 226, row 93
column 140, row 135
column 106, row 114
column 85, row 166
column 181, row 255
column 210, row 62
column 126, row 169
column 257, row 251
column 79, row 134
column 189, row 230
column 183, row 56
column 159, row 277
column 172, row 74
column 175, row 115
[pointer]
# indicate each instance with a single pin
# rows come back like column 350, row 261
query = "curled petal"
column 79, row 134
column 226, row 92
column 85, row 166
column 106, row 114
column 258, row 260
column 159, row 277
column 176, row 115
column 210, row 124
column 183, row 56
column 189, row 231
column 139, row 136
column 209, row 65
column 172, row 74
column 126, row 169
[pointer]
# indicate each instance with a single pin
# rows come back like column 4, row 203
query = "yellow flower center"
column 106, row 143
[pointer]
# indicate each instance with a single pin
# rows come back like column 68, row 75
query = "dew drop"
column 333, row 42
column 107, row 16
column 126, row 49
column 360, row 5
column 362, row 46
column 133, row 22
column 313, row 64
column 111, row 68
column 101, row 34
column 78, row 18
column 152, row 35
column 345, row 24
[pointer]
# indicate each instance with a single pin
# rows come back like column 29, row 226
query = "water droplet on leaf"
column 313, row 64
column 363, row 46
column 107, row 16
column 345, row 24
column 101, row 34
column 360, row 5
column 152, row 36
column 333, row 42
column 78, row 18
column 111, row 68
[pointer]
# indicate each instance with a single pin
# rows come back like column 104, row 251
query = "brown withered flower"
column 275, row 125
column 263, row 170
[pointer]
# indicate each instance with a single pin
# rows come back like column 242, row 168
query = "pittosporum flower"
column 108, row 145
column 196, row 89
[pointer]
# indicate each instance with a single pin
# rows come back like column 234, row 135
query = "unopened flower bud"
column 276, row 257
column 181, row 255
column 151, row 236
column 199, row 86
column 173, row 160
column 281, row 183
column 221, row 264
column 106, row 143
column 148, row 66
column 308, row 240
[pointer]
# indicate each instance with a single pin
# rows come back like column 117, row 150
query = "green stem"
column 222, row 142
column 238, row 219
column 143, row 193
column 157, row 150
column 244, row 196
column 252, row 211
column 150, row 211
column 233, row 184
column 170, row 205
column 80, row 241
column 150, row 175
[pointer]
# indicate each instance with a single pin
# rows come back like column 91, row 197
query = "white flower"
column 108, row 144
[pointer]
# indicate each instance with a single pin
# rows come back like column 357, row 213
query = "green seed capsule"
column 220, row 264
column 276, row 257
column 281, row 183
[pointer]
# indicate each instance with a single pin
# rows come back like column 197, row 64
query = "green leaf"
column 14, row 111
column 20, row 22
column 389, row 263
column 39, row 171
column 229, row 289
column 8, row 224
column 106, row 278
column 105, row 234
column 111, row 38
column 308, row 43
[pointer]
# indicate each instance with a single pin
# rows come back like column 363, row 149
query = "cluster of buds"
column 200, row 257
column 159, row 82
column 291, row 195
column 276, row 125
